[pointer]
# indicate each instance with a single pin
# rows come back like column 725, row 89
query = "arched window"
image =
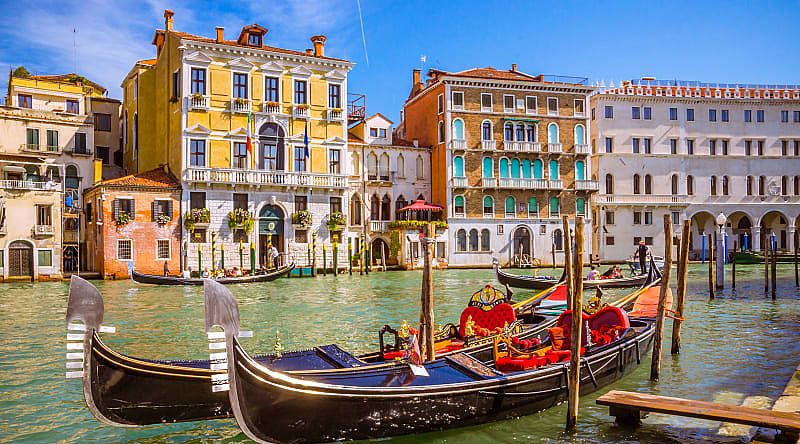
column 725, row 185
column 580, row 206
column 713, row 185
column 637, row 184
column 749, row 185
column 580, row 135
column 486, row 130
column 515, row 167
column 530, row 132
column 609, row 184
column 488, row 206
column 509, row 132
column 533, row 207
column 555, row 207
column 458, row 166
column 648, row 184
column 554, row 169
column 461, row 240
column 386, row 208
column 552, row 133
column 526, row 169
column 421, row 197
column 511, row 206
column 580, row 170
column 762, row 186
column 72, row 178
column 375, row 207
column 538, row 169
column 797, row 185
column 401, row 202
column 674, row 181
column 458, row 205
column 784, row 186
column 355, row 164
column 355, row 209
column 504, row 167
column 558, row 240
column 372, row 166
column 401, row 166
column 488, row 167
column 458, row 129
column 690, row 185
column 271, row 138
column 441, row 132
column 32, row 173
column 53, row 173
column 473, row 240
column 420, row 167
column 485, row 240
column 383, row 167
column 520, row 132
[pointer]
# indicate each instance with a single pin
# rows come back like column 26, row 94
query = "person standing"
column 273, row 256
column 642, row 253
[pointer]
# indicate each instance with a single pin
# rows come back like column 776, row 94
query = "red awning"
column 421, row 205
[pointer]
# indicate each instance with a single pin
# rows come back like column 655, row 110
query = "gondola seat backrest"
column 565, row 324
column 492, row 319
column 609, row 317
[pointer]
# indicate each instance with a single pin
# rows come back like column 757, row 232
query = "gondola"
column 176, row 280
column 462, row 389
column 542, row 282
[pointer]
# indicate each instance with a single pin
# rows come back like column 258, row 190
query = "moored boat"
column 542, row 282
column 177, row 280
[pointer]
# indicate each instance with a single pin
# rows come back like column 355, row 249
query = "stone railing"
column 334, row 115
column 300, row 112
column 555, row 184
column 554, row 148
column 489, row 182
column 241, row 106
column 623, row 199
column 197, row 102
column 379, row 226
column 488, row 145
column 587, row 185
column 459, row 182
column 232, row 176
column 458, row 144
column 522, row 183
column 582, row 149
column 44, row 230
column 271, row 109
column 26, row 185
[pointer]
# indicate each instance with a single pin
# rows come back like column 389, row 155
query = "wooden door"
column 20, row 259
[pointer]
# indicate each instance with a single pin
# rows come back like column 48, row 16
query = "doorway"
column 20, row 259
column 270, row 231
column 521, row 247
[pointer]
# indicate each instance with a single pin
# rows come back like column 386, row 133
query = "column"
column 756, row 238
column 790, row 241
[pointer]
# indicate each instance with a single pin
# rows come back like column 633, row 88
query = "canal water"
column 741, row 346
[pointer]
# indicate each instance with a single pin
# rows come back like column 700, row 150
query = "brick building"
column 134, row 218
column 509, row 157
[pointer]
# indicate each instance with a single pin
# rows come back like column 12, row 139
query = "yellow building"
column 189, row 108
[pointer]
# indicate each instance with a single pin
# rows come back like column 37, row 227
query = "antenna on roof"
column 74, row 52
column 422, row 59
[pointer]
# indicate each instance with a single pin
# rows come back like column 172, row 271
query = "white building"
column 694, row 150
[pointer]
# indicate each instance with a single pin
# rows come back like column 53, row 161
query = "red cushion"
column 394, row 354
column 507, row 364
column 609, row 316
column 498, row 316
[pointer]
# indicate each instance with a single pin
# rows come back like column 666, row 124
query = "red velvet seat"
column 497, row 317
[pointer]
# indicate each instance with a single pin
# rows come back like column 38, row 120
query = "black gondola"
column 542, row 282
column 461, row 389
column 177, row 280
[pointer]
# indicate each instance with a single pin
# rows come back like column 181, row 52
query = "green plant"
column 163, row 219
column 302, row 106
column 416, row 224
column 196, row 216
column 21, row 72
column 394, row 243
column 272, row 104
column 241, row 219
column 198, row 96
column 75, row 78
column 240, row 100
column 335, row 219
column 302, row 217
column 123, row 218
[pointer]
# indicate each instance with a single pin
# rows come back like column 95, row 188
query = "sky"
column 727, row 42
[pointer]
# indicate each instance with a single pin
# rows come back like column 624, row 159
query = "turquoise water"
column 740, row 345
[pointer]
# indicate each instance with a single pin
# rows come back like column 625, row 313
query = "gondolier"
column 642, row 253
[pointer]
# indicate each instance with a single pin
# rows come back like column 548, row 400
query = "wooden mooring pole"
column 426, row 303
column 796, row 247
column 574, row 373
column 680, row 299
column 711, row 279
column 766, row 268
column 733, row 266
column 774, row 274
column 567, row 238
column 655, row 365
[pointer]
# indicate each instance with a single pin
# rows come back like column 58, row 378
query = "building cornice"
column 236, row 52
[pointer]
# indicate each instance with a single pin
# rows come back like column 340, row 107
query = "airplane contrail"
column 363, row 36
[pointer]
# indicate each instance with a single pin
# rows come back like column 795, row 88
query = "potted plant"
column 241, row 219
column 240, row 101
column 302, row 106
column 198, row 96
column 163, row 219
column 336, row 110
column 335, row 219
column 272, row 104
column 123, row 218
column 416, row 225
column 195, row 217
column 302, row 217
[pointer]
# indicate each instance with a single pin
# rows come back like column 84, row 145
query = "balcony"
column 69, row 237
column 527, row 147
column 334, row 115
column 379, row 226
column 79, row 151
column 241, row 106
column 489, row 182
column 555, row 184
column 232, row 176
column 643, row 199
column 39, row 149
column 522, row 183
column 26, row 185
column 587, row 185
column 582, row 149
column 300, row 111
column 554, row 148
column 43, row 230
column 458, row 144
column 459, row 182
column 197, row 102
column 488, row 145
column 271, row 108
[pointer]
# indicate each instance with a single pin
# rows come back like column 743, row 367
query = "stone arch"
column 521, row 239
column 379, row 251
column 271, row 229
column 774, row 222
column 741, row 229
column 20, row 258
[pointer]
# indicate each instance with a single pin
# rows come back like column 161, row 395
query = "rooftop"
column 156, row 178
column 71, row 78
column 511, row 74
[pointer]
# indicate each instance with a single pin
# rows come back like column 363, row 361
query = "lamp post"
column 720, row 247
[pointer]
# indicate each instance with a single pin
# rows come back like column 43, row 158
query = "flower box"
column 302, row 218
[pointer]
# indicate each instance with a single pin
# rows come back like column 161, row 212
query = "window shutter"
column 115, row 209
column 169, row 209
column 154, row 209
column 133, row 209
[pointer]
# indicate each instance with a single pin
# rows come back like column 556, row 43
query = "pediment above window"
column 198, row 129
column 301, row 71
column 336, row 140
column 240, row 63
column 335, row 75
column 271, row 68
column 198, row 58
column 238, row 132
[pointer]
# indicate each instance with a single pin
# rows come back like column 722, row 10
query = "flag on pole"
column 250, row 141
column 305, row 141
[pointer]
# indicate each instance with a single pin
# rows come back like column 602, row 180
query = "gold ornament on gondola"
column 403, row 330
column 594, row 304
column 469, row 327
column 278, row 345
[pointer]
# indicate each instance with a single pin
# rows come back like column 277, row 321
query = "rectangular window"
column 648, row 218
column 240, row 85
column 161, row 206
column 118, row 158
column 748, row 147
column 440, row 103
column 712, row 147
column 609, row 240
column 647, row 113
column 760, row 147
column 609, row 112
column 531, row 105
column 300, row 92
column 300, row 203
column 690, row 146
column 382, row 133
column 796, row 117
column 32, row 138
column 197, row 153
column 197, row 200
column 636, row 112
column 80, row 143
column 610, row 217
column 784, row 116
column 198, row 84
column 593, row 113
column 240, row 201
column 162, row 249
column 748, row 115
column 784, row 147
column 637, row 217
column 673, row 114
column 724, row 115
column 271, row 90
column 636, row 240
column 44, row 215
column 508, row 103
column 45, row 258
column 580, row 107
column 712, row 115
column 636, row 141
column 300, row 160
column 673, row 146
column 301, row 236
column 458, row 100
column 73, row 107
column 724, row 147
column 334, row 161
column 760, row 116
column 24, row 101
column 335, row 96
column 373, row 132
column 124, row 249
column 486, row 102
column 552, row 105
column 102, row 122
column 648, row 143
column 125, row 206
column 797, row 147
column 648, row 240
column 254, row 39
column 676, row 218
column 104, row 154
column 52, row 140
column 176, row 84
column 609, row 145
column 690, row 114
column 240, row 155
column 336, row 205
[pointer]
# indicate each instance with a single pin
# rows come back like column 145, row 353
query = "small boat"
column 633, row 263
column 458, row 390
column 177, row 280
column 542, row 282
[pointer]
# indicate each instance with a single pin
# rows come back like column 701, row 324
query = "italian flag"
column 249, row 140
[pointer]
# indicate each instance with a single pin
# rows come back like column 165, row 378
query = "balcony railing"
column 79, row 151
column 271, row 108
column 488, row 145
column 625, row 199
column 379, row 226
column 39, row 149
column 528, row 147
column 582, row 149
column 334, row 115
column 512, row 146
column 587, row 185
column 259, row 177
column 459, row 182
column 26, row 185
column 554, row 148
column 43, row 230
column 197, row 102
column 489, row 182
column 458, row 144
column 300, row 112
column 241, row 106
column 555, row 184
column 522, row 183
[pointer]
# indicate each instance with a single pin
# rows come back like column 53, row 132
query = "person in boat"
column 593, row 274
column 205, row 273
column 273, row 256
column 641, row 253
column 235, row 272
column 616, row 273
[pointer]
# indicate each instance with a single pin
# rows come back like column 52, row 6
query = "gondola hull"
column 175, row 280
column 541, row 283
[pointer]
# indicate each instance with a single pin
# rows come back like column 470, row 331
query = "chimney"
column 514, row 67
column 220, row 34
column 319, row 45
column 168, row 19
column 415, row 77
column 309, row 52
